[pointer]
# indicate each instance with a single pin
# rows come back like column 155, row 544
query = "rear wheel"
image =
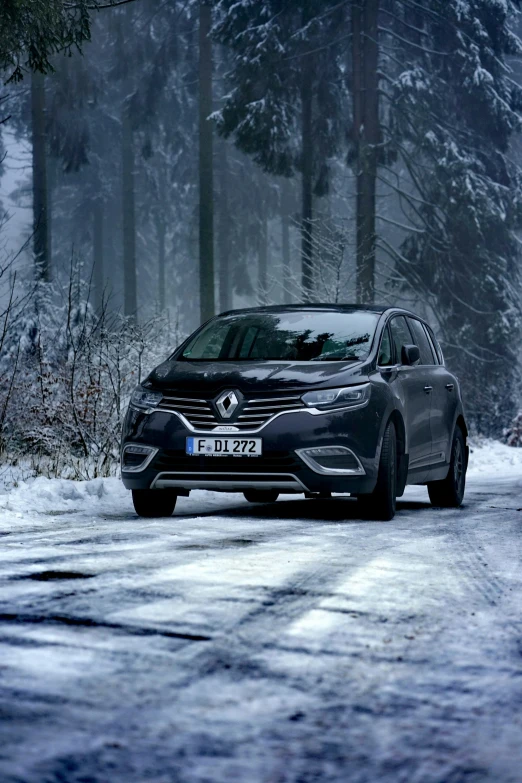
column 154, row 502
column 381, row 503
column 261, row 495
column 449, row 492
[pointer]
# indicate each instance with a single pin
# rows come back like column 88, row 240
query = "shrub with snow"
column 513, row 434
column 66, row 375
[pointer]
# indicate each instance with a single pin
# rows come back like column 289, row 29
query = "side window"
column 435, row 343
column 386, row 350
column 421, row 341
column 401, row 335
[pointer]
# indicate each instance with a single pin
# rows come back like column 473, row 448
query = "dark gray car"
column 310, row 399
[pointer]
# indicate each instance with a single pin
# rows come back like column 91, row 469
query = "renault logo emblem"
column 227, row 404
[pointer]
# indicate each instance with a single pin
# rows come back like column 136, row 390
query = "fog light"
column 332, row 460
column 135, row 458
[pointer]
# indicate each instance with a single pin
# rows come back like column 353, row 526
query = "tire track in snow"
column 469, row 560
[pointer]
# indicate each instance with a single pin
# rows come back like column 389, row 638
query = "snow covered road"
column 291, row 642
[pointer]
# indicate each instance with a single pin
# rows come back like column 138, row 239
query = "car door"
column 429, row 362
column 414, row 387
column 444, row 401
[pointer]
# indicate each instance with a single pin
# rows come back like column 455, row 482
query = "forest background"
column 178, row 158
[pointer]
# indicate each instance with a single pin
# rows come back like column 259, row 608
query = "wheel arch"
column 460, row 422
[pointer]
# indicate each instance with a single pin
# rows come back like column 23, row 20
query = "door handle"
column 450, row 386
column 428, row 389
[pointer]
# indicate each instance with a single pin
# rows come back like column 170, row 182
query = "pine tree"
column 287, row 103
column 206, row 165
column 367, row 138
column 456, row 110
column 41, row 230
column 32, row 31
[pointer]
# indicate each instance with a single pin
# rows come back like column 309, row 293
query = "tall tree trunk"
column 161, row 235
column 285, row 242
column 365, row 54
column 130, row 300
column 41, row 239
column 262, row 279
column 206, row 183
column 225, row 283
column 52, row 177
column 307, row 168
column 97, row 252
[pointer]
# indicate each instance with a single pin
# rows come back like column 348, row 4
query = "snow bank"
column 47, row 496
column 488, row 459
column 493, row 458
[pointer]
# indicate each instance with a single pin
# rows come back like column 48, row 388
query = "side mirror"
column 410, row 354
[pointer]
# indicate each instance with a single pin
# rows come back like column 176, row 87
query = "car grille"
column 251, row 414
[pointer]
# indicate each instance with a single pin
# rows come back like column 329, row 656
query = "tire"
column 261, row 495
column 449, row 493
column 154, row 502
column 381, row 503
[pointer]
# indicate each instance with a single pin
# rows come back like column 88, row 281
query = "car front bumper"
column 280, row 466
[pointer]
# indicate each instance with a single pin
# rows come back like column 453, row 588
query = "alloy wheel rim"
column 458, row 464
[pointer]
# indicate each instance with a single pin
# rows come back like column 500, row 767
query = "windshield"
column 304, row 336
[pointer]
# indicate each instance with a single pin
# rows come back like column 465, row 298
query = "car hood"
column 211, row 377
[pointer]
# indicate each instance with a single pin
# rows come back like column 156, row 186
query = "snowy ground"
column 286, row 643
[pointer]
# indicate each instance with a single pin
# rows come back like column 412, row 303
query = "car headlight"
column 145, row 398
column 338, row 398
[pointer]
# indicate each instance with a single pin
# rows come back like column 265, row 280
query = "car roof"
column 335, row 308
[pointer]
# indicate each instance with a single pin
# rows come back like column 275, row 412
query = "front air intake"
column 135, row 457
column 332, row 460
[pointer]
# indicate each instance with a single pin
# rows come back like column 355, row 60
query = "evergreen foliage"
column 449, row 110
column 287, row 102
column 272, row 42
column 456, row 109
column 32, row 31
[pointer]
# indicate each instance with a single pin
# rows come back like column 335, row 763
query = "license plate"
column 225, row 447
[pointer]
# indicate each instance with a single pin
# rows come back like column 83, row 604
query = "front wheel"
column 381, row 503
column 449, row 493
column 154, row 502
column 261, row 495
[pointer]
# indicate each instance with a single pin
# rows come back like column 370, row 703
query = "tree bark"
column 262, row 279
column 52, row 177
column 160, row 233
column 206, row 183
column 41, row 238
column 365, row 54
column 97, row 253
column 225, row 283
column 307, row 167
column 285, row 243
column 130, row 300
column 161, row 236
